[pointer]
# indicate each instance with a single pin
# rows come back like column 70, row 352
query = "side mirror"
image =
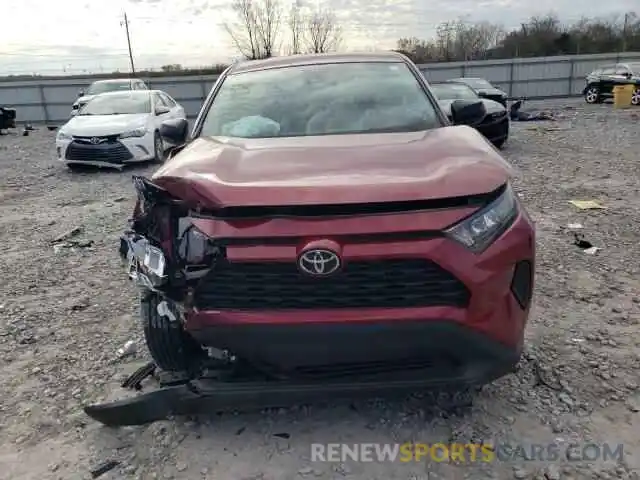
column 81, row 93
column 161, row 110
column 467, row 112
column 175, row 130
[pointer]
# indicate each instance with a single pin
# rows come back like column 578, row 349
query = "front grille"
column 360, row 284
column 110, row 151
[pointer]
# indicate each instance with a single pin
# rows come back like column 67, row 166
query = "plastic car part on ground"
column 587, row 205
column 532, row 116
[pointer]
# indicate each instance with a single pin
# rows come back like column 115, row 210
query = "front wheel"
column 635, row 98
column 158, row 148
column 592, row 95
column 172, row 349
column 500, row 143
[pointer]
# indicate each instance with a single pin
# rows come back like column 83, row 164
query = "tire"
column 158, row 148
column 635, row 99
column 500, row 143
column 172, row 349
column 592, row 95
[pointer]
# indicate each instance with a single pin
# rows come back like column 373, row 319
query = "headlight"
column 196, row 248
column 147, row 264
column 138, row 132
column 481, row 229
column 63, row 136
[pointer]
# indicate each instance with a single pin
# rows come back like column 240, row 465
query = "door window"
column 168, row 101
column 158, row 102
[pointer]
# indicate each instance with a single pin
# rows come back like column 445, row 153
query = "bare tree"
column 322, row 32
column 244, row 33
column 268, row 22
column 473, row 41
column 256, row 29
column 296, row 29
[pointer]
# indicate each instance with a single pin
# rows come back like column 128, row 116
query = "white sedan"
column 117, row 128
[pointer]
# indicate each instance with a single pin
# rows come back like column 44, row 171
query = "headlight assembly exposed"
column 196, row 248
column 138, row 132
column 481, row 229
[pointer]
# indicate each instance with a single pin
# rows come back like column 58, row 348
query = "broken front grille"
column 360, row 284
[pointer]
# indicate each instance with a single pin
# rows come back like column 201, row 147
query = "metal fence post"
column 43, row 103
column 571, row 67
column 511, row 73
column 203, row 89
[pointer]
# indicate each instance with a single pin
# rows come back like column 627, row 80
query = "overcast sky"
column 76, row 36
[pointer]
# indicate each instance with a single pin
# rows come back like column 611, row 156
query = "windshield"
column 452, row 91
column 125, row 103
column 326, row 99
column 104, row 87
column 476, row 82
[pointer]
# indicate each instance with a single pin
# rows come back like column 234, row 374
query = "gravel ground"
column 65, row 312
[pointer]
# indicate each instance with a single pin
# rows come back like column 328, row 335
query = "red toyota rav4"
column 324, row 218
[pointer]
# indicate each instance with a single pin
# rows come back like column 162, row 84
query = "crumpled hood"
column 334, row 169
column 103, row 125
column 491, row 106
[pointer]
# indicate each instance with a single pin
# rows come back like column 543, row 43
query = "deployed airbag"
column 252, row 126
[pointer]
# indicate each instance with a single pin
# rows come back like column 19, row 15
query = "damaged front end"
column 165, row 253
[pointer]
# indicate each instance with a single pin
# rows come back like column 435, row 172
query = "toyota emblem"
column 319, row 262
column 95, row 140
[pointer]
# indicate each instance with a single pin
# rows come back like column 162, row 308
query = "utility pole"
column 126, row 28
column 624, row 32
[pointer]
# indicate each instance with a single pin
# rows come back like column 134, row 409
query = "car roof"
column 462, row 79
column 315, row 59
column 126, row 92
column 117, row 80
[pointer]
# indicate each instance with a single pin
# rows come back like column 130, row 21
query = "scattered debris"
column 127, row 349
column 585, row 245
column 515, row 114
column 540, row 377
column 575, row 226
column 587, row 204
column 74, row 232
column 579, row 241
column 134, row 381
column 104, row 468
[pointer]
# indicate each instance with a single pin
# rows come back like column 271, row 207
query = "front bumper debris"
column 210, row 394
